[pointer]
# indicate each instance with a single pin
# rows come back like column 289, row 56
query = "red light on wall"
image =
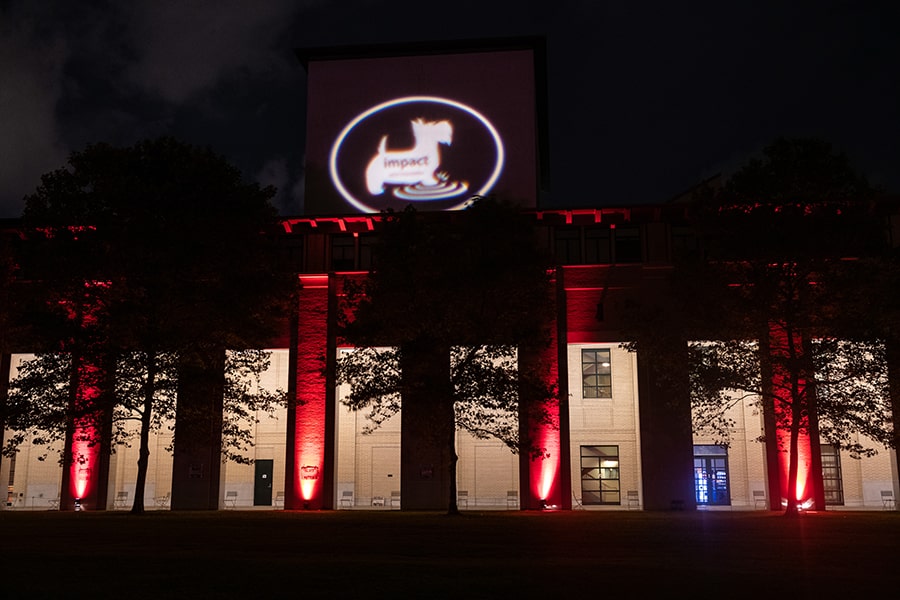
column 310, row 415
column 804, row 463
column 309, row 476
column 85, row 439
column 783, row 417
column 544, row 475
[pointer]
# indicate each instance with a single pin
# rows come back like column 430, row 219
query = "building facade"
column 622, row 442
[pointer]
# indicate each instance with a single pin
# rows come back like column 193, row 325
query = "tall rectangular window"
column 366, row 244
column 343, row 253
column 628, row 244
column 567, row 245
column 596, row 373
column 831, row 475
column 596, row 246
column 600, row 475
column 684, row 243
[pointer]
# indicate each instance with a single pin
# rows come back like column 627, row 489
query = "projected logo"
column 423, row 150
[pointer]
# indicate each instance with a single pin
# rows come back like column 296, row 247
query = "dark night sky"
column 645, row 98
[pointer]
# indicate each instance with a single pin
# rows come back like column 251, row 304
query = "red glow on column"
column 783, row 400
column 309, row 481
column 85, row 442
column 545, row 471
column 309, row 424
column 84, row 471
column 804, row 462
column 545, row 476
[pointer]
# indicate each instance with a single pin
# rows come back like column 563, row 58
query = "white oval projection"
column 416, row 172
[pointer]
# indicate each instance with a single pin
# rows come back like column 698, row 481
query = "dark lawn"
column 382, row 554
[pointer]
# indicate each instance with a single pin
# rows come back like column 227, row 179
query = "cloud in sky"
column 31, row 63
column 650, row 97
column 184, row 49
column 80, row 73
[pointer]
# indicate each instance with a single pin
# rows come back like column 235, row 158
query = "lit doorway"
column 711, row 476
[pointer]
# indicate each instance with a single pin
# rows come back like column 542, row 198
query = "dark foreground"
column 347, row 554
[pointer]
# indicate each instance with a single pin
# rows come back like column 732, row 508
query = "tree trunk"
column 453, row 508
column 796, row 412
column 794, row 459
column 893, row 363
column 144, row 451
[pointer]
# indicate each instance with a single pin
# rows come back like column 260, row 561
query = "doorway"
column 711, row 475
column 262, row 483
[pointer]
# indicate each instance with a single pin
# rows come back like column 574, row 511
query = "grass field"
column 390, row 554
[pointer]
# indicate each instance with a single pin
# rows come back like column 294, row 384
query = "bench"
column 632, row 500
column 759, row 497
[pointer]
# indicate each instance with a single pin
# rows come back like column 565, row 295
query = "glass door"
column 711, row 475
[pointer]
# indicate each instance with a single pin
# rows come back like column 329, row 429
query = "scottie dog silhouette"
column 413, row 166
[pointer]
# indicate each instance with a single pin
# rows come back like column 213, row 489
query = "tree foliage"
column 474, row 284
column 849, row 380
column 39, row 407
column 172, row 245
column 485, row 388
column 771, row 309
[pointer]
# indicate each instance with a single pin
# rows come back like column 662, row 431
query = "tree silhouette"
column 172, row 245
column 441, row 323
column 769, row 309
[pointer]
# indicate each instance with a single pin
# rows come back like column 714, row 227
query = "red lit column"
column 788, row 411
column 86, row 455
column 545, row 480
column 309, row 461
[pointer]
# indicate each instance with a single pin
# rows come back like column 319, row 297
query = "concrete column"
column 667, row 447
column 197, row 460
column 309, row 462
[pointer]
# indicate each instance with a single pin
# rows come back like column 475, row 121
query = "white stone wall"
column 606, row 421
column 746, row 455
column 38, row 478
column 270, row 435
column 369, row 465
column 865, row 478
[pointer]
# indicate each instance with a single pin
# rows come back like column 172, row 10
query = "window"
column 596, row 374
column 711, row 475
column 684, row 243
column 628, row 244
column 343, row 253
column 831, row 475
column 366, row 244
column 596, row 246
column 600, row 475
column 292, row 253
column 567, row 245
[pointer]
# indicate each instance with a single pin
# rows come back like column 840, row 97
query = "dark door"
column 262, row 487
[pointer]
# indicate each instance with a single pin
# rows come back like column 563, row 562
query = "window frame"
column 602, row 371
column 834, row 494
column 606, row 493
